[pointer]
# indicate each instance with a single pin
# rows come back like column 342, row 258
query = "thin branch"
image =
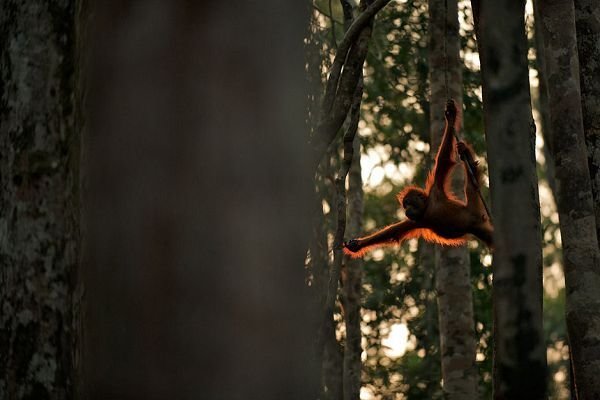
column 337, row 101
column 352, row 33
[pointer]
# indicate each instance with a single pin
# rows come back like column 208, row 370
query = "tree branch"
column 338, row 97
column 364, row 19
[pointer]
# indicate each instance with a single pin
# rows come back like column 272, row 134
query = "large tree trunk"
column 453, row 283
column 199, row 194
column 581, row 255
column 39, row 229
column 587, row 24
column 520, row 354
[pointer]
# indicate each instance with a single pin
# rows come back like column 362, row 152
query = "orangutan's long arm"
column 389, row 235
column 445, row 158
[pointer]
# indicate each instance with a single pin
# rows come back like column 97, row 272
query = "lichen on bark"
column 38, row 216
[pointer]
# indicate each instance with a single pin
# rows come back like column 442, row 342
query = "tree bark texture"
column 39, row 231
column 332, row 380
column 328, row 352
column 335, row 274
column 519, row 351
column 453, row 283
column 587, row 25
column 83, row 18
column 352, row 283
column 581, row 254
column 199, row 203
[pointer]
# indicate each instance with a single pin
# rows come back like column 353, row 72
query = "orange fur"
column 426, row 234
column 430, row 181
column 365, row 250
column 446, row 220
column 433, row 237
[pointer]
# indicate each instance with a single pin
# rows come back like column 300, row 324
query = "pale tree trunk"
column 39, row 216
column 519, row 351
column 581, row 255
column 199, row 203
column 453, row 283
column 587, row 25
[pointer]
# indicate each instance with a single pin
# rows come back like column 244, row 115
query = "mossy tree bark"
column 39, row 229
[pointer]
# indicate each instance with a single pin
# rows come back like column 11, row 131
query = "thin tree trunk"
column 318, row 276
column 352, row 284
column 353, row 269
column 333, row 363
column 317, row 263
column 342, row 102
column 519, row 351
column 587, row 25
column 581, row 255
column 347, row 97
column 546, row 126
column 328, row 350
column 453, row 284
column 199, row 203
column 341, row 208
column 39, row 217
